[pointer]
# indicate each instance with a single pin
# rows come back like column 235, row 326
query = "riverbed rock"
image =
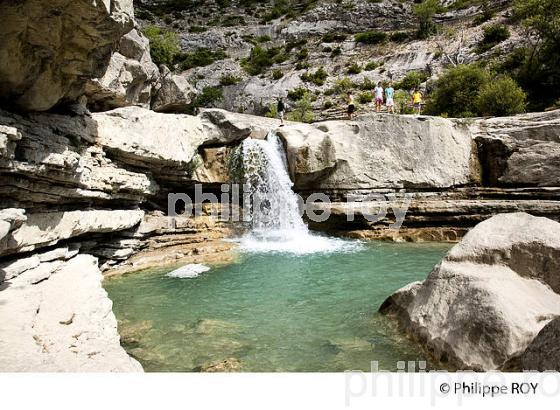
column 50, row 49
column 129, row 77
column 490, row 295
column 61, row 323
column 379, row 151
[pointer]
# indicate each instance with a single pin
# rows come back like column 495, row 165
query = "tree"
column 501, row 97
column 425, row 13
column 457, row 90
column 539, row 71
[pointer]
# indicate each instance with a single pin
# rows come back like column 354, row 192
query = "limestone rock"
column 519, row 150
column 544, row 351
column 129, row 77
column 46, row 229
column 143, row 137
column 488, row 298
column 174, row 93
column 62, row 323
column 49, row 49
column 223, row 127
column 379, row 151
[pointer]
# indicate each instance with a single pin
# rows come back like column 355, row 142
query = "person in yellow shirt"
column 417, row 101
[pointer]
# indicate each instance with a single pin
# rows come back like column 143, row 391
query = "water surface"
column 273, row 311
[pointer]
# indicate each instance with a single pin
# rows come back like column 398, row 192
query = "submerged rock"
column 488, row 298
column 231, row 364
column 192, row 270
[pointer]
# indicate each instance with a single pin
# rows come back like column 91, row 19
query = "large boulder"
column 485, row 302
column 139, row 136
column 129, row 77
column 50, row 49
column 522, row 150
column 174, row 93
column 380, row 151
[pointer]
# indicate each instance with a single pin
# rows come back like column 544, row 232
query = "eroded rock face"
column 523, row 150
column 379, row 151
column 50, row 49
column 174, row 93
column 61, row 321
column 46, row 229
column 489, row 297
column 129, row 77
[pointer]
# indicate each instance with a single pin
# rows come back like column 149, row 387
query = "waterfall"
column 273, row 209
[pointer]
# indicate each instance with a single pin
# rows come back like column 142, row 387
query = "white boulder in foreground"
column 485, row 302
column 61, row 323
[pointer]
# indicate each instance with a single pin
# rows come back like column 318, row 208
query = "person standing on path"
column 417, row 101
column 281, row 109
column 389, row 98
column 351, row 105
column 378, row 94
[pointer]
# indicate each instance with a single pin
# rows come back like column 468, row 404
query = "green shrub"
column 328, row 104
column 199, row 58
column 457, row 90
column 290, row 45
column 399, row 36
column 412, row 80
column 402, row 100
column 277, row 74
column 326, row 49
column 372, row 65
column 366, row 84
column 263, row 39
column 260, row 59
column 332, row 37
column 302, row 110
column 354, row 68
column 272, row 111
column 365, row 97
column 164, row 45
column 343, row 84
column 336, row 52
column 425, row 12
column 370, row 37
column 231, row 21
column 297, row 93
column 197, row 29
column 302, row 54
column 317, row 78
column 501, row 97
column 207, row 98
column 494, row 34
column 229, row 79
column 302, row 65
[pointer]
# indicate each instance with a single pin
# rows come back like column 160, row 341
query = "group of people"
column 381, row 96
column 386, row 95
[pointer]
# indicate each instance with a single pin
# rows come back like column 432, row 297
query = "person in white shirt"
column 378, row 94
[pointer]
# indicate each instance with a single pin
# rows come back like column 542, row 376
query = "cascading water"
column 274, row 212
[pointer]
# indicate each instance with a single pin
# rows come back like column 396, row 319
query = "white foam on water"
column 189, row 271
column 277, row 224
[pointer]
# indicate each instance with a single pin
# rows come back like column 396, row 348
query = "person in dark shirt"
column 281, row 108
